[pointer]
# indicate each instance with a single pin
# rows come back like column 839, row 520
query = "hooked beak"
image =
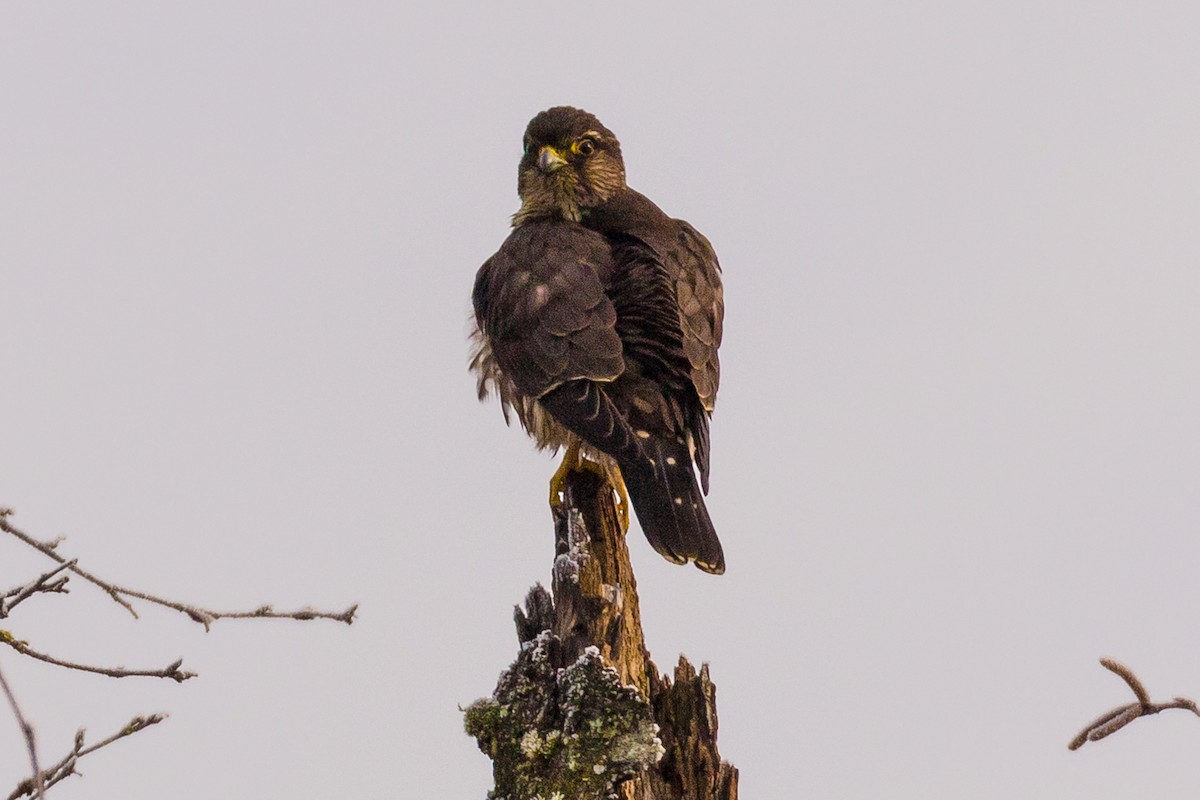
column 549, row 160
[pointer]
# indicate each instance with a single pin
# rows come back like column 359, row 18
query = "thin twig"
column 1126, row 674
column 39, row 585
column 37, row 784
column 203, row 616
column 1113, row 721
column 172, row 671
column 66, row 767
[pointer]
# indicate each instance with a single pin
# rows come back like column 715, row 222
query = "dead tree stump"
column 583, row 712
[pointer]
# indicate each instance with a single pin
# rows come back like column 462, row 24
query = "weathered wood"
column 584, row 712
column 686, row 712
column 595, row 593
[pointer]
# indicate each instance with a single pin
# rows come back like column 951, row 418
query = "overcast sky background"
column 955, row 453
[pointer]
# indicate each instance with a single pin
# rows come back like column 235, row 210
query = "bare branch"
column 55, row 581
column 1127, row 675
column 66, row 767
column 1098, row 723
column 203, row 616
column 37, row 784
column 1116, row 723
column 1118, row 718
column 39, row 585
column 171, row 671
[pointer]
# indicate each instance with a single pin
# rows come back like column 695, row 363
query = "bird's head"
column 571, row 163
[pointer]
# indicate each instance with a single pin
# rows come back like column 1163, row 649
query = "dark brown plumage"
column 598, row 323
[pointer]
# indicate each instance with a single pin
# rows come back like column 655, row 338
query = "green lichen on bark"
column 569, row 719
column 562, row 730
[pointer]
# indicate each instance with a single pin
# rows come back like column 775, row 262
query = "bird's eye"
column 584, row 147
column 528, row 146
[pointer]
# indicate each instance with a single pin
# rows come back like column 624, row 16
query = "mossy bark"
column 583, row 712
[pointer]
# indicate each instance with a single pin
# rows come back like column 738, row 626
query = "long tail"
column 657, row 471
column 670, row 505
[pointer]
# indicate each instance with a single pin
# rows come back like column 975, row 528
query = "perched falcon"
column 598, row 324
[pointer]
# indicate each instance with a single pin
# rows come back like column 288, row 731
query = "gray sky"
column 955, row 454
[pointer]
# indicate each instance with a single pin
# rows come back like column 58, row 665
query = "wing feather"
column 540, row 301
column 694, row 302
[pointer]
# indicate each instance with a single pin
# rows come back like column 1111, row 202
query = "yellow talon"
column 574, row 460
column 558, row 481
column 618, row 485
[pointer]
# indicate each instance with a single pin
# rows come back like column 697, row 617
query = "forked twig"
column 171, row 671
column 1113, row 721
column 39, row 585
column 119, row 594
column 54, row 581
column 66, row 767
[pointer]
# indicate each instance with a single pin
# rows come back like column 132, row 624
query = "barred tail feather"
column 670, row 505
column 657, row 471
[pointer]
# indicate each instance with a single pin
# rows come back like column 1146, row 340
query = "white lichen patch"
column 568, row 565
column 531, row 744
column 541, row 644
column 614, row 595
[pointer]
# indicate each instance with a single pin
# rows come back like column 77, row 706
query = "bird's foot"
column 573, row 460
column 613, row 473
column 558, row 481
